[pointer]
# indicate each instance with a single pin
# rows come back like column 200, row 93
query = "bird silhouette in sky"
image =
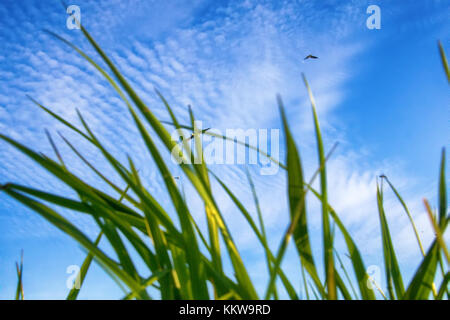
column 310, row 57
column 193, row 134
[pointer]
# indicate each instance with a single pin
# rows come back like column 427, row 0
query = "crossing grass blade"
column 444, row 287
column 437, row 231
column 19, row 269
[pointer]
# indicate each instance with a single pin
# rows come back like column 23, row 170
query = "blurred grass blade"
column 64, row 225
column 442, row 192
column 444, row 60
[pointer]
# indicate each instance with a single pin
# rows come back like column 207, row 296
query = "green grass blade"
column 437, row 231
column 355, row 255
column 298, row 225
column 64, row 225
column 192, row 249
column 444, row 287
column 393, row 274
column 73, row 294
column 346, row 275
column 261, row 227
column 327, row 238
column 271, row 259
column 421, row 284
column 444, row 61
column 416, row 233
column 442, row 192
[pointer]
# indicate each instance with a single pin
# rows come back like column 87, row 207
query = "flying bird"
column 192, row 135
column 311, row 57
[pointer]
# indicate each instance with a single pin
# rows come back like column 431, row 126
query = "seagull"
column 311, row 57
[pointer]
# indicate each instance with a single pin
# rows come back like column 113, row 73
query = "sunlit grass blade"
column 393, row 274
column 298, row 225
column 416, row 233
column 437, row 231
column 202, row 171
column 188, row 234
column 327, row 238
column 421, row 284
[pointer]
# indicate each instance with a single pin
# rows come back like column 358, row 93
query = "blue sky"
column 381, row 93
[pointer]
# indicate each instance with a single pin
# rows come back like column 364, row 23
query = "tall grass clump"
column 184, row 263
